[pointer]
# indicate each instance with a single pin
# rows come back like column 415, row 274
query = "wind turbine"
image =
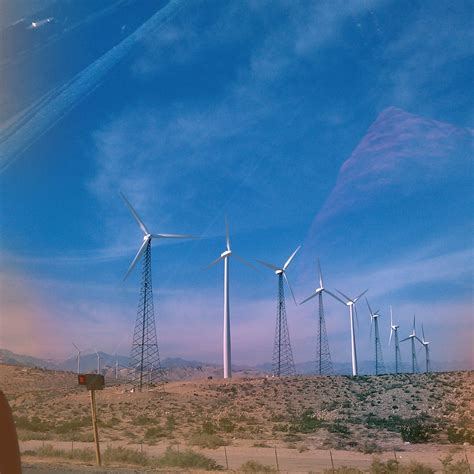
column 98, row 361
column 226, row 336
column 350, row 303
column 427, row 349
column 283, row 363
column 79, row 352
column 116, row 366
column 412, row 336
column 145, row 353
column 374, row 319
column 323, row 364
column 394, row 330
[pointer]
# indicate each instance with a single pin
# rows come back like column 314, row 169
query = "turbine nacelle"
column 147, row 237
column 226, row 253
column 282, row 271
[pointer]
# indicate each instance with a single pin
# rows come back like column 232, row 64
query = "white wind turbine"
column 281, row 272
column 323, row 366
column 98, row 361
column 147, row 237
column 412, row 337
column 427, row 349
column 283, row 363
column 78, row 357
column 350, row 303
column 394, row 330
column 226, row 337
column 144, row 344
column 374, row 319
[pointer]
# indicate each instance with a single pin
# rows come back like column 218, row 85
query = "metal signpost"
column 93, row 382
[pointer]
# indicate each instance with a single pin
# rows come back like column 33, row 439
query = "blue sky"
column 342, row 126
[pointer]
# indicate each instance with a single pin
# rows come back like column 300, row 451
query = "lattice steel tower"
column 394, row 330
column 144, row 366
column 374, row 319
column 323, row 363
column 412, row 337
column 379, row 365
column 283, row 363
column 282, row 355
column 323, row 355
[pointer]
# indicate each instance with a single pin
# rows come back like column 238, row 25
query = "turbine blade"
column 419, row 340
column 320, row 275
column 269, row 265
column 362, row 294
column 75, row 346
column 227, row 236
column 357, row 316
column 423, row 332
column 370, row 309
column 345, row 296
column 291, row 258
column 242, row 260
column 336, row 297
column 414, row 324
column 289, row 286
column 137, row 257
column 391, row 316
column 214, row 262
column 390, row 338
column 173, row 236
column 309, row 298
column 371, row 321
column 406, row 339
column 135, row 215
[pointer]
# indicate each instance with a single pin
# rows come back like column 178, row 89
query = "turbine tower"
column 283, row 363
column 350, row 303
column 78, row 358
column 226, row 336
column 98, row 361
column 144, row 353
column 427, row 349
column 374, row 319
column 394, row 330
column 323, row 356
column 412, row 337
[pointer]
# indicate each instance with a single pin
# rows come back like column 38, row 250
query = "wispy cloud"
column 438, row 36
column 400, row 153
column 38, row 120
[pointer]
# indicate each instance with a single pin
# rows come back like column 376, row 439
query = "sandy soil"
column 303, row 417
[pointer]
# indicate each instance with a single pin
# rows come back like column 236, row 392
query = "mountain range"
column 181, row 369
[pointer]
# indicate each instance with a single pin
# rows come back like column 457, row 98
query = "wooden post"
column 276, row 458
column 96, row 431
column 332, row 461
column 226, row 460
column 467, row 461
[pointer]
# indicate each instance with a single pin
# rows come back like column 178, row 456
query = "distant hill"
column 177, row 368
column 9, row 357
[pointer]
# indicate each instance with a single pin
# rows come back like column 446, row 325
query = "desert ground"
column 291, row 424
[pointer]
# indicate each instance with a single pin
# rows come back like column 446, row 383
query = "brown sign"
column 91, row 381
